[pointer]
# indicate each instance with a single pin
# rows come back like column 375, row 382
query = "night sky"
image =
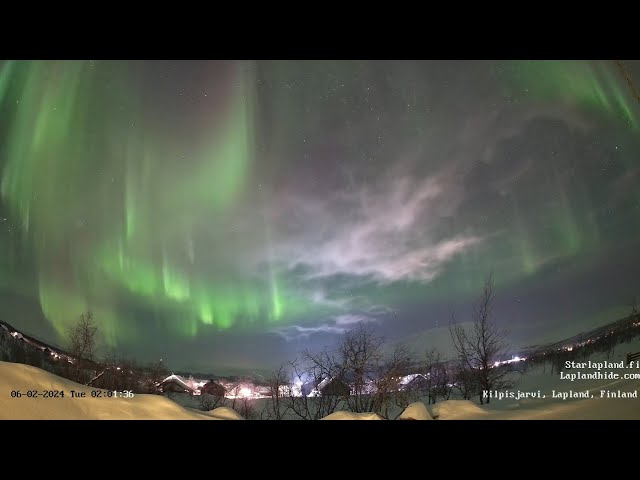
column 225, row 215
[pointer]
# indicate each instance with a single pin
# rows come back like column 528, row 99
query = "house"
column 175, row 384
column 307, row 389
column 265, row 390
column 213, row 388
column 335, row 387
column 415, row 382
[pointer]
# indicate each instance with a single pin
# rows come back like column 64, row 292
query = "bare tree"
column 434, row 380
column 431, row 360
column 442, row 382
column 102, row 377
column 344, row 375
column 403, row 397
column 299, row 402
column 118, row 373
column 311, row 373
column 355, row 375
column 360, row 352
column 464, row 380
column 235, row 394
column 155, row 373
column 82, row 339
column 279, row 389
column 480, row 347
column 130, row 375
column 247, row 409
column 105, row 376
column 438, row 381
column 208, row 402
column 387, row 382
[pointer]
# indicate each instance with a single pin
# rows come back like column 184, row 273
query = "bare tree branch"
column 82, row 339
column 479, row 349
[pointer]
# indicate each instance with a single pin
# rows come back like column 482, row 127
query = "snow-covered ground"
column 223, row 413
column 24, row 378
column 416, row 411
column 352, row 416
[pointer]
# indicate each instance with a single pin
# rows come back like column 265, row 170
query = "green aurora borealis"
column 230, row 200
column 141, row 216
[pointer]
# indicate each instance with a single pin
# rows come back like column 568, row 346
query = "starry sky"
column 224, row 215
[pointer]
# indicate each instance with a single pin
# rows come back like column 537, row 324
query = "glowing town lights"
column 514, row 359
column 245, row 392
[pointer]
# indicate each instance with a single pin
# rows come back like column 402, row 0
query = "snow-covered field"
column 23, row 378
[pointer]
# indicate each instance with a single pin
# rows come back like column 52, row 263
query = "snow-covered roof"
column 176, row 379
column 410, row 378
column 328, row 380
column 324, row 383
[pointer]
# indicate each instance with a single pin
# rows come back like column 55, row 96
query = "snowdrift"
column 352, row 416
column 15, row 376
column 457, row 410
column 225, row 413
column 415, row 411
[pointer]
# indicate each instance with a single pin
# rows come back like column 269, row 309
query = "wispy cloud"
column 387, row 234
column 297, row 332
column 336, row 325
column 353, row 319
column 319, row 297
column 395, row 226
column 379, row 310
